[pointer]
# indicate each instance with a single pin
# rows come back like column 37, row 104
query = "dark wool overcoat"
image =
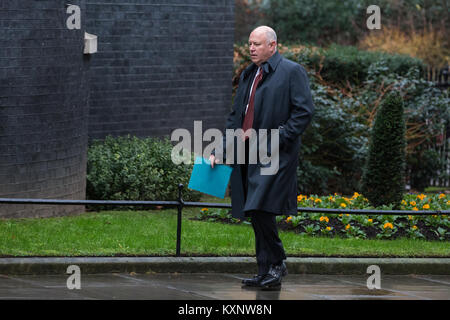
column 282, row 101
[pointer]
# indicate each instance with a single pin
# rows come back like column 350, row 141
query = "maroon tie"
column 248, row 120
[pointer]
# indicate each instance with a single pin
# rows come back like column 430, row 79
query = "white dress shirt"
column 259, row 70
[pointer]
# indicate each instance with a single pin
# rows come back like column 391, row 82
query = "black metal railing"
column 179, row 203
column 440, row 76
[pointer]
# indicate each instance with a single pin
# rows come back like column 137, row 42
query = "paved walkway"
column 220, row 286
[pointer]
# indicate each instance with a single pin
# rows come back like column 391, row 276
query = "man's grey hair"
column 270, row 33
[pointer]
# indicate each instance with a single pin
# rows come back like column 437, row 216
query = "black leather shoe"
column 255, row 281
column 274, row 277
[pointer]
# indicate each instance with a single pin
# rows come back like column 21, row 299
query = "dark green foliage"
column 383, row 177
column 335, row 146
column 428, row 106
column 331, row 147
column 427, row 115
column 129, row 168
column 342, row 65
column 424, row 164
column 320, row 22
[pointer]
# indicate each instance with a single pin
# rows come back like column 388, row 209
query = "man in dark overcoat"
column 273, row 93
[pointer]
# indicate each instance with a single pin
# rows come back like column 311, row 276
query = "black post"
column 180, row 208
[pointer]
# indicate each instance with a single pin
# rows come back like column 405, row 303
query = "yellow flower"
column 441, row 196
column 413, row 203
column 448, row 202
column 331, row 198
column 204, row 209
column 415, row 209
column 356, row 195
column 317, row 200
column 388, row 225
column 414, row 227
column 340, row 215
column 322, row 218
column 347, row 227
column 410, row 217
column 328, row 228
column 343, row 205
column 404, row 202
column 370, row 220
column 426, row 206
column 421, row 196
column 288, row 219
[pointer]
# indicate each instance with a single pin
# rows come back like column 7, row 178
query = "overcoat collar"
column 270, row 65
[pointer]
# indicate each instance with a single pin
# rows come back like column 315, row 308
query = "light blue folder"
column 212, row 181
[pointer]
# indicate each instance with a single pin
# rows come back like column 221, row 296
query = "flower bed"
column 429, row 227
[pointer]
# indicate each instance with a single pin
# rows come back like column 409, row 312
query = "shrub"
column 331, row 148
column 130, row 168
column 337, row 65
column 343, row 65
column 427, row 117
column 383, row 178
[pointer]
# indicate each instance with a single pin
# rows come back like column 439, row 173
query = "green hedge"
column 131, row 168
column 339, row 64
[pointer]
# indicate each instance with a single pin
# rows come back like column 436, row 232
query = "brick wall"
column 43, row 106
column 161, row 65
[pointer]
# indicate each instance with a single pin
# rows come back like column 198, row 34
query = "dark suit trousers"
column 268, row 245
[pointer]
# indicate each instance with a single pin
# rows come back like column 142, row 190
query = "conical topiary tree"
column 383, row 179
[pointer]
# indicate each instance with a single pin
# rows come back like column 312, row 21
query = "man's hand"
column 213, row 160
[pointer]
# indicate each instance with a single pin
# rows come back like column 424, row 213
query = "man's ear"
column 273, row 44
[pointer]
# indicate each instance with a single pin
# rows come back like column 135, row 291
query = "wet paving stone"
column 219, row 286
